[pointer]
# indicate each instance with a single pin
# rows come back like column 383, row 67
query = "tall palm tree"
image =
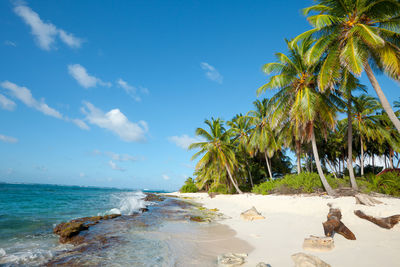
column 353, row 34
column 364, row 122
column 217, row 149
column 263, row 138
column 298, row 98
column 240, row 127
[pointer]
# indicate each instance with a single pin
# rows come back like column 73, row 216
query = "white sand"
column 290, row 219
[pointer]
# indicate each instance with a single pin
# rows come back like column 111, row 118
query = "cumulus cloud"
column 115, row 166
column 86, row 80
column 116, row 122
column 6, row 103
column 45, row 33
column 25, row 96
column 211, row 72
column 131, row 90
column 184, row 141
column 165, row 177
column 8, row 139
column 81, row 124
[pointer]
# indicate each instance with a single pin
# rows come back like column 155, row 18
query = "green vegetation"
column 189, row 186
column 316, row 82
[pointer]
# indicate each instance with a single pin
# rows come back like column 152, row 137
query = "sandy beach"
column 290, row 219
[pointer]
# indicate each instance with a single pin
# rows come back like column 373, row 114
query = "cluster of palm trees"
column 316, row 80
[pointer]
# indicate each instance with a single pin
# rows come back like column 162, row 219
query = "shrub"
column 387, row 183
column 219, row 188
column 189, row 186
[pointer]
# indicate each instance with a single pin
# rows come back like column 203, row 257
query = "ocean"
column 163, row 236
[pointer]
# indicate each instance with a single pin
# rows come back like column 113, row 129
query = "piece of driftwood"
column 364, row 199
column 387, row 222
column 335, row 225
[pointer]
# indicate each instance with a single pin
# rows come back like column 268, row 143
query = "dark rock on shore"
column 68, row 231
column 153, row 197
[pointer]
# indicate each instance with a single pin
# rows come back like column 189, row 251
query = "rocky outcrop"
column 319, row 244
column 153, row 197
column 231, row 259
column 68, row 231
column 251, row 215
column 307, row 260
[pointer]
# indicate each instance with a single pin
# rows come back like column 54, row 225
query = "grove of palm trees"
column 320, row 114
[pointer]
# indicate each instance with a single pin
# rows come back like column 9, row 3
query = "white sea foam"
column 128, row 203
column 37, row 256
column 2, row 252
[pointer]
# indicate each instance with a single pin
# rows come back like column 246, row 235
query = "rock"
column 262, row 264
column 199, row 219
column 320, row 244
column 307, row 260
column 251, row 215
column 143, row 210
column 231, row 259
column 69, row 230
column 153, row 197
column 364, row 199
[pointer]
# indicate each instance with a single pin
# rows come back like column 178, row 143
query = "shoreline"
column 291, row 218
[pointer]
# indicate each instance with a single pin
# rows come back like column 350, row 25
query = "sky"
column 109, row 93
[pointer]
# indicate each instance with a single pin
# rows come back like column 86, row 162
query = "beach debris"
column 334, row 224
column 387, row 222
column 231, row 259
column 251, row 215
column 319, row 244
column 68, row 230
column 307, row 260
column 262, row 264
column 364, row 199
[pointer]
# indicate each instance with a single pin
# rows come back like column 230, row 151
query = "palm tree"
column 217, row 149
column 350, row 35
column 262, row 138
column 365, row 121
column 240, row 127
column 298, row 98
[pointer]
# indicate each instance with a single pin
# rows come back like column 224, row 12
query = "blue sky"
column 109, row 93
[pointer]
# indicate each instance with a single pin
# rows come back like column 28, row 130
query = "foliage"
column 219, row 188
column 189, row 186
column 387, row 183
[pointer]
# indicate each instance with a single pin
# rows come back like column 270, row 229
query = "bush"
column 219, row 188
column 387, row 183
column 189, row 186
column 297, row 183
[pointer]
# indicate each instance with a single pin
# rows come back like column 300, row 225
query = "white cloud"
column 44, row 33
column 211, row 72
column 8, row 139
column 6, row 103
column 116, row 122
column 10, row 43
column 86, row 80
column 131, row 90
column 81, row 124
column 184, row 141
column 165, row 177
column 115, row 166
column 121, row 157
column 25, row 95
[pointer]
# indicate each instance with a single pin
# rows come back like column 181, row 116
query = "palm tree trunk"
column 362, row 156
column 385, row 103
column 249, row 171
column 233, row 181
column 325, row 183
column 350, row 144
column 373, row 163
column 391, row 157
column 269, row 168
column 298, row 152
column 333, row 170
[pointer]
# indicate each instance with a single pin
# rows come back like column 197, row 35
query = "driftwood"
column 364, row 199
column 334, row 224
column 387, row 222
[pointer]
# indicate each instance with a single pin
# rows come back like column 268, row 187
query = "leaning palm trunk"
column 233, row 181
column 325, row 183
column 249, row 171
column 350, row 144
column 268, row 166
column 333, row 169
column 391, row 154
column 385, row 103
column 362, row 156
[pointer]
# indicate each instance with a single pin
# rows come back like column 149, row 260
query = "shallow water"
column 164, row 236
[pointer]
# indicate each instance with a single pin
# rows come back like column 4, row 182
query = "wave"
column 128, row 203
